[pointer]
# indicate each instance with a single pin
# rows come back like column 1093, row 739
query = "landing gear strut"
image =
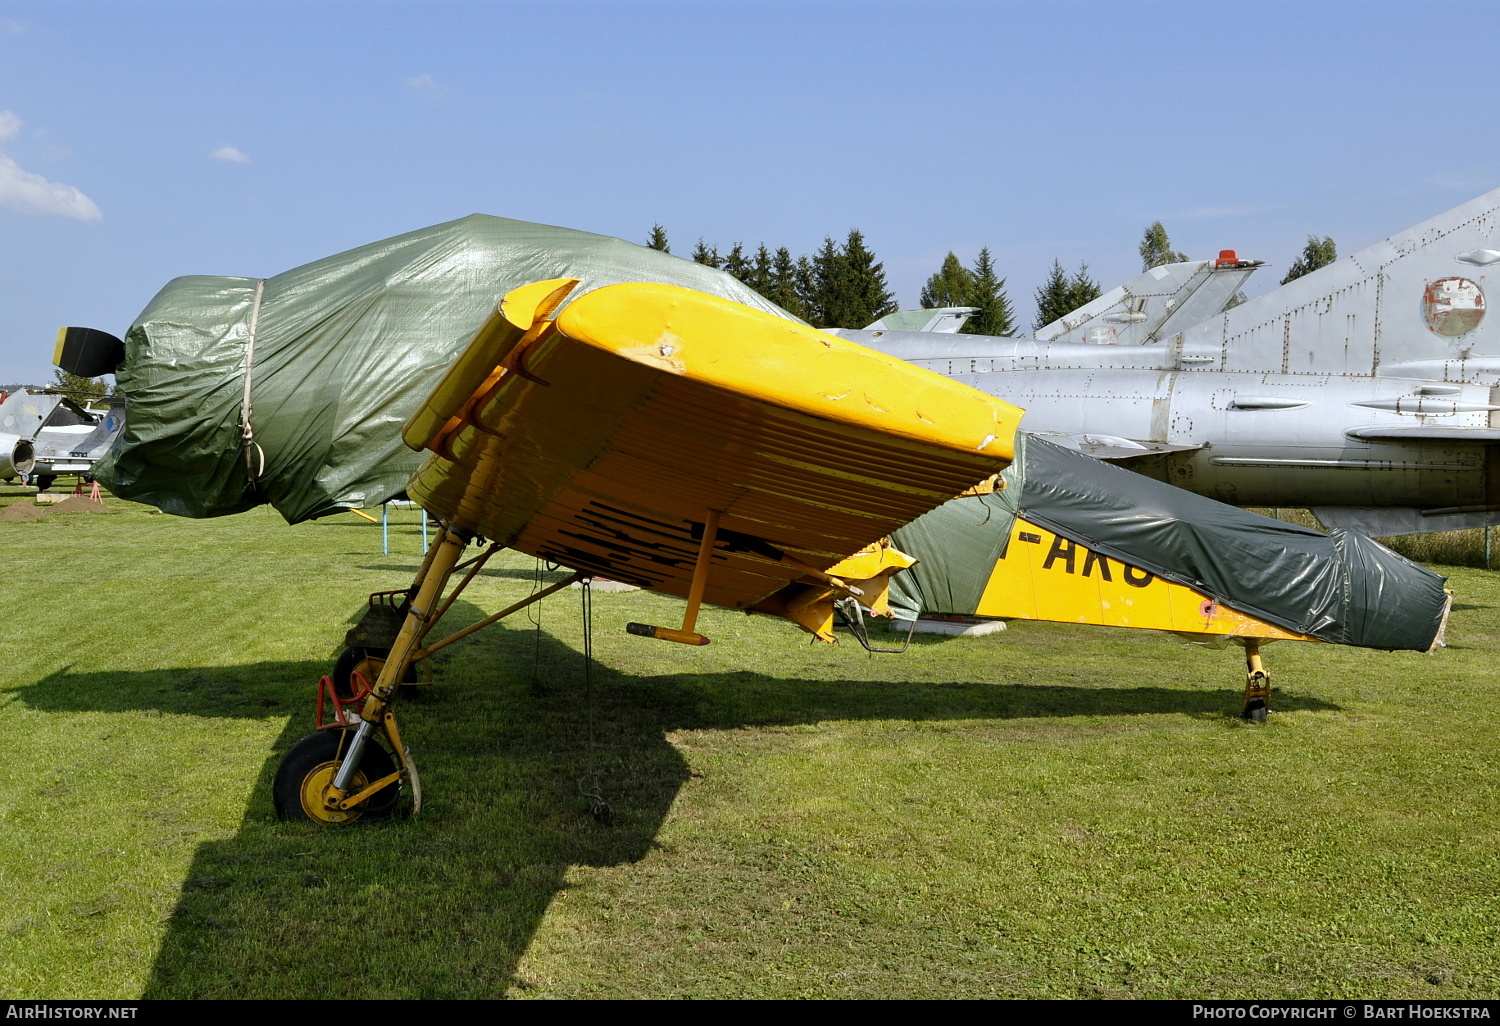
column 356, row 766
column 1257, row 684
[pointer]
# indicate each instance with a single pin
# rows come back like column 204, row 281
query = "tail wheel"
column 368, row 663
column 309, row 768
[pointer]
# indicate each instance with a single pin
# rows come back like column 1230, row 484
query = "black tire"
column 44, row 481
column 313, row 755
column 352, row 659
column 359, row 659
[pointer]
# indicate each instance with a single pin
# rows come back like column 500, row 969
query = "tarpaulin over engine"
column 344, row 349
column 1339, row 587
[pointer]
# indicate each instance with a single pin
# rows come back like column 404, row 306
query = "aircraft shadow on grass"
column 508, row 573
column 446, row 905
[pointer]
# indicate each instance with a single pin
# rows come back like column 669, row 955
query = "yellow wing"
column 607, row 438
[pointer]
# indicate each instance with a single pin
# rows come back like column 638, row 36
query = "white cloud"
column 11, row 27
column 10, row 126
column 230, row 154
column 427, row 86
column 26, row 193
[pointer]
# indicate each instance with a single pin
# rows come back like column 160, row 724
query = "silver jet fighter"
column 1366, row 390
column 45, row 433
column 22, row 413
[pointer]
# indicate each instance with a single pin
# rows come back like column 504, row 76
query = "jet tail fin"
column 943, row 320
column 1158, row 303
column 1411, row 305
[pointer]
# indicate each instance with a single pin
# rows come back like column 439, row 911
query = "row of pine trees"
column 842, row 285
column 839, row 286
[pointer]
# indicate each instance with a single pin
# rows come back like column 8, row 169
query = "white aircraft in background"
column 1367, row 390
column 44, row 433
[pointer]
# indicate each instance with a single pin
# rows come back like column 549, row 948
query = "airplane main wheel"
column 44, row 481
column 308, row 769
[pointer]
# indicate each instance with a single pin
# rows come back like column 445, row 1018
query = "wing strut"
column 687, row 636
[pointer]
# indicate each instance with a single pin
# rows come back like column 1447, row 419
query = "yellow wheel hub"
column 370, row 669
column 317, row 783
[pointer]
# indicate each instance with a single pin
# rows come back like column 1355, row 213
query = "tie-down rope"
column 247, row 433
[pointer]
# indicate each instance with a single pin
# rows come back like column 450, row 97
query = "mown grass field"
column 1052, row 812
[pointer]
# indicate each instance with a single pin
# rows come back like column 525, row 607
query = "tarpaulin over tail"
column 1339, row 587
column 342, row 351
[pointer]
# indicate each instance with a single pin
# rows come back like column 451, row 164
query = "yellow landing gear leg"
column 343, row 793
column 340, row 776
column 1257, row 684
column 687, row 634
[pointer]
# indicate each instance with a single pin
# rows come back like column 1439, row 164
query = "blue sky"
column 145, row 141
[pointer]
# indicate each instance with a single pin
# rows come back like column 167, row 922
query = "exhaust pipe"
column 23, row 457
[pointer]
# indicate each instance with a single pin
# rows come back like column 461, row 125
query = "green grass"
column 1054, row 811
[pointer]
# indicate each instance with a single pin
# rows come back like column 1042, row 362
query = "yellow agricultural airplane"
column 707, row 450
column 714, row 451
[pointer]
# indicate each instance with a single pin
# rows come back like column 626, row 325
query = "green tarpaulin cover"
column 344, row 349
column 1339, row 587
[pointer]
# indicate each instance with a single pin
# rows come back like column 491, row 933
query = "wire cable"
column 590, row 786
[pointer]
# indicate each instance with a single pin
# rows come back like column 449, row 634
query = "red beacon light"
column 1227, row 258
